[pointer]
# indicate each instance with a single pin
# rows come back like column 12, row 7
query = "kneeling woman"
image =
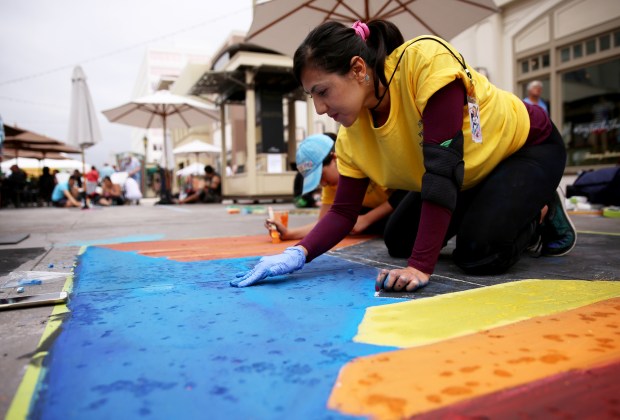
column 479, row 162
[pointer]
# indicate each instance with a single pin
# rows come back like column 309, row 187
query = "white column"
column 250, row 132
column 223, row 154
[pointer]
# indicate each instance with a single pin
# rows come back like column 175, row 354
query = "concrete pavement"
column 57, row 235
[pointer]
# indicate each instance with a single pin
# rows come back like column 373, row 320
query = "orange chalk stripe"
column 217, row 248
column 416, row 380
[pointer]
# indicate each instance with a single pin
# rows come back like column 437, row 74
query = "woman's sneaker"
column 558, row 233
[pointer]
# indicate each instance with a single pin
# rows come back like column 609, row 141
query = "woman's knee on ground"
column 397, row 244
column 483, row 258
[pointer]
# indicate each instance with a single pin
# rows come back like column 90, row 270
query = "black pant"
column 495, row 221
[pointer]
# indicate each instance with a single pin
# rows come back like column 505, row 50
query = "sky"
column 44, row 40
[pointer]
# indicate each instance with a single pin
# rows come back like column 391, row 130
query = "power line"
column 121, row 50
column 24, row 101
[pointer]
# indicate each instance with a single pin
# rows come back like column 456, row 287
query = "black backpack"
column 601, row 186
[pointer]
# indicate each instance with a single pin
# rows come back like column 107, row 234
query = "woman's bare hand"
column 401, row 280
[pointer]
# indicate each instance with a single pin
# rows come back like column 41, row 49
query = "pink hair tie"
column 361, row 29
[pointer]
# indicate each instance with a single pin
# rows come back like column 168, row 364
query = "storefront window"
column 591, row 110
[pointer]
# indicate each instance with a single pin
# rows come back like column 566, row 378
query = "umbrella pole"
column 166, row 194
column 85, row 205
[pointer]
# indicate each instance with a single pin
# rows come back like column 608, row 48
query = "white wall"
column 526, row 24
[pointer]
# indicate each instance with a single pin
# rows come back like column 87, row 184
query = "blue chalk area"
column 163, row 339
column 117, row 240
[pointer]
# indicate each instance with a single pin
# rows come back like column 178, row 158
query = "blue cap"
column 310, row 156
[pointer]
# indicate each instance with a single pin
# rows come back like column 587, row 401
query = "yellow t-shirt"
column 375, row 195
column 391, row 155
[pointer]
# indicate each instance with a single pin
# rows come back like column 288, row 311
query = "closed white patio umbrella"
column 84, row 130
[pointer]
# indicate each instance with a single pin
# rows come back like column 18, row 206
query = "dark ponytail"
column 331, row 45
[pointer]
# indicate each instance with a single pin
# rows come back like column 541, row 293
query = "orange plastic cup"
column 282, row 217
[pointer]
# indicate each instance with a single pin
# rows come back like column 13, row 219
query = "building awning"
column 272, row 72
column 230, row 86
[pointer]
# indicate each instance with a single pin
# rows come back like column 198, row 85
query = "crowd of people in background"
column 53, row 188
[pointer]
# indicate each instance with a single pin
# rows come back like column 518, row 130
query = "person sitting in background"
column 79, row 185
column 16, row 183
column 47, row 182
column 186, row 186
column 213, row 186
column 300, row 199
column 77, row 176
column 317, row 162
column 132, row 191
column 92, row 175
column 65, row 193
column 111, row 193
column 92, row 181
column 210, row 193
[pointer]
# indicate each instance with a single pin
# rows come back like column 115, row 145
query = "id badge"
column 474, row 119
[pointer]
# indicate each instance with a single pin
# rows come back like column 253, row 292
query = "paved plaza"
column 152, row 327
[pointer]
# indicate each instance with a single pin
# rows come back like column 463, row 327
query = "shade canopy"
column 283, row 24
column 27, row 142
column 29, row 163
column 30, row 137
column 193, row 169
column 9, row 153
column 196, row 146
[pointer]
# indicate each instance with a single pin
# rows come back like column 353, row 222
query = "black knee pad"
column 398, row 249
column 483, row 261
column 444, row 172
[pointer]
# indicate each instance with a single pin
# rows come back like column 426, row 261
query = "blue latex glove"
column 292, row 259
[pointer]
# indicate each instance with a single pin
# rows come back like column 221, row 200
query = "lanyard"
column 461, row 62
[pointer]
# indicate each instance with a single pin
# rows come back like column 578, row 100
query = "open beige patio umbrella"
column 164, row 110
column 283, row 24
